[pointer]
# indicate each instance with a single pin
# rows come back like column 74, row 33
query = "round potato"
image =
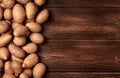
column 8, row 14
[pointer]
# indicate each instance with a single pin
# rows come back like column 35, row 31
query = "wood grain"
column 82, row 3
column 83, row 23
column 83, row 75
column 81, row 55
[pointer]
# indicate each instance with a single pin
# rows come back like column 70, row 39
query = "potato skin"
column 8, row 3
column 8, row 67
column 39, row 70
column 3, row 26
column 8, row 14
column 1, row 13
column 30, row 48
column 34, row 27
column 27, row 63
column 5, row 39
column 17, row 67
column 4, row 53
column 23, row 1
column 37, row 38
column 16, row 51
column 20, row 31
column 19, row 41
column 28, row 72
column 39, row 2
column 31, row 10
column 9, row 76
column 18, row 13
column 13, row 58
column 1, row 64
column 23, row 75
column 42, row 16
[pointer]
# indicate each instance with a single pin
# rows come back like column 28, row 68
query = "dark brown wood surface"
column 82, row 39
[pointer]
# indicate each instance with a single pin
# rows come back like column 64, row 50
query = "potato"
column 15, row 24
column 30, row 48
column 3, row 26
column 23, row 75
column 39, row 2
column 1, row 64
column 1, row 13
column 34, row 27
column 28, row 72
column 17, row 67
column 19, row 41
column 8, row 67
column 37, row 38
column 16, row 51
column 9, row 32
column 42, row 16
column 30, row 61
column 4, row 53
column 5, row 39
column 39, row 70
column 9, row 76
column 18, row 13
column 20, row 31
column 13, row 58
column 8, row 14
column 8, row 3
column 23, row 1
column 31, row 10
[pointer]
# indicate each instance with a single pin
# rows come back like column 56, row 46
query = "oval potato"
column 8, row 67
column 37, row 38
column 4, row 53
column 16, row 51
column 19, row 41
column 42, row 16
column 39, row 2
column 3, row 26
column 8, row 3
column 18, row 13
column 34, row 27
column 8, row 14
column 31, row 10
column 27, row 63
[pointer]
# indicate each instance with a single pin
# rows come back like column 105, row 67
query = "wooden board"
column 82, row 36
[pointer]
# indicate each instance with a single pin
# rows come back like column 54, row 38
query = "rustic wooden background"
column 82, row 39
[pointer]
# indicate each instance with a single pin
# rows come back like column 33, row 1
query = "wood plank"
column 83, row 23
column 82, row 3
column 83, row 75
column 81, row 55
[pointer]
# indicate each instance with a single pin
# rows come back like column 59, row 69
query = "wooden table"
column 82, row 39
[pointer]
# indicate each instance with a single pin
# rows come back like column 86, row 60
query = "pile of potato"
column 20, row 27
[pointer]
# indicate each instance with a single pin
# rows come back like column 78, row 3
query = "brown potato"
column 31, row 10
column 27, row 63
column 34, row 27
column 17, row 67
column 9, row 76
column 28, row 72
column 1, row 13
column 3, row 26
column 23, row 1
column 39, row 2
column 39, row 70
column 13, row 58
column 1, row 64
column 8, row 14
column 19, row 41
column 15, row 24
column 8, row 67
column 30, row 48
column 23, row 75
column 5, row 39
column 16, row 51
column 4, row 53
column 18, row 13
column 37, row 38
column 20, row 31
column 42, row 16
column 8, row 3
